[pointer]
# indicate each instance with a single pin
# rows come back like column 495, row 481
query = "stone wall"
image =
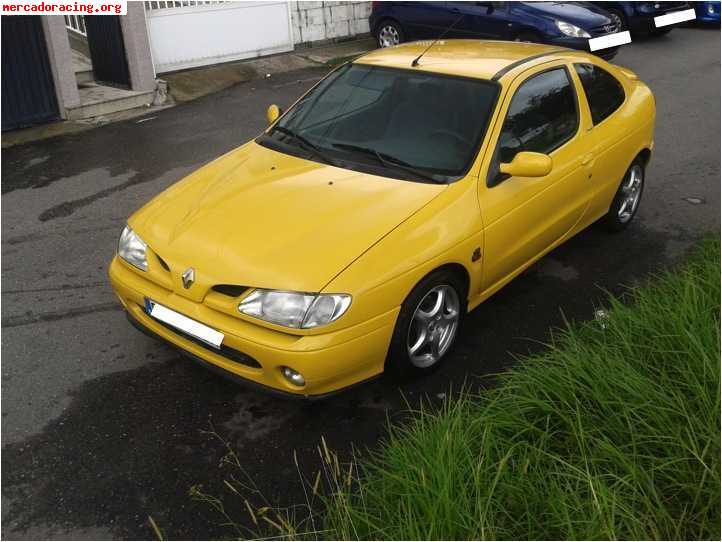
column 321, row 22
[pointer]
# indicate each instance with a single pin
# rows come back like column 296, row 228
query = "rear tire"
column 389, row 33
column 626, row 201
column 427, row 326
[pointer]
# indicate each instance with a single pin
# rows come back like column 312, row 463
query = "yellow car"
column 404, row 189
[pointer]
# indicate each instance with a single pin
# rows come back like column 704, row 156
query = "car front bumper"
column 644, row 24
column 328, row 362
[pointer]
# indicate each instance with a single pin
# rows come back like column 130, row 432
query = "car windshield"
column 399, row 123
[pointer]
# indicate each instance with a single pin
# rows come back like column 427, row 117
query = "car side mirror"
column 528, row 164
column 272, row 113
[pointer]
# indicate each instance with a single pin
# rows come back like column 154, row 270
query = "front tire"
column 626, row 201
column 427, row 326
column 389, row 33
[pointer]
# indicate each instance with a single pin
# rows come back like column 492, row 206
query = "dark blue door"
column 425, row 20
column 28, row 92
column 482, row 20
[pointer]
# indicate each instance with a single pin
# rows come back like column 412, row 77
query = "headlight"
column 294, row 309
column 132, row 249
column 569, row 29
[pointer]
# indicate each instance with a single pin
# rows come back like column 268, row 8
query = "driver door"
column 524, row 217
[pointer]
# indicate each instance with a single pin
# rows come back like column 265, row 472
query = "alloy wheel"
column 433, row 326
column 389, row 36
column 617, row 20
column 631, row 190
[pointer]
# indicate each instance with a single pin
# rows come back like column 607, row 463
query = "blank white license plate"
column 187, row 325
column 675, row 17
column 610, row 40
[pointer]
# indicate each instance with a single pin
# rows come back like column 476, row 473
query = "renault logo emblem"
column 188, row 277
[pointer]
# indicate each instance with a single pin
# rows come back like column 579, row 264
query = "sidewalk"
column 191, row 84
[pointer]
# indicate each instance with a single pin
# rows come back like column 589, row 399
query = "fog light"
column 294, row 377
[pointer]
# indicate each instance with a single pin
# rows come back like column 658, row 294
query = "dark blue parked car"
column 638, row 17
column 569, row 24
column 707, row 12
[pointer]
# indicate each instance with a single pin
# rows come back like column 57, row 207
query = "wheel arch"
column 619, row 6
column 623, row 10
column 645, row 154
column 382, row 20
column 461, row 272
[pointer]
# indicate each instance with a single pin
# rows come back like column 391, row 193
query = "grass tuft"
column 612, row 433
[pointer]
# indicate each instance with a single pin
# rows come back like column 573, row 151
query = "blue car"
column 638, row 17
column 569, row 24
column 707, row 12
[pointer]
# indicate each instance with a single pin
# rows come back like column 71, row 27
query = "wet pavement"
column 103, row 427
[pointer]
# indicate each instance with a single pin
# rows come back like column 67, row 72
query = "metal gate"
column 189, row 34
column 28, row 92
column 107, row 50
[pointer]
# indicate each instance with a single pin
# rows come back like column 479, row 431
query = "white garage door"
column 190, row 34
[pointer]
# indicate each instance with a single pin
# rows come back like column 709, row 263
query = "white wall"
column 186, row 35
column 328, row 21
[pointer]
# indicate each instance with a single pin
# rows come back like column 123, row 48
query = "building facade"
column 85, row 66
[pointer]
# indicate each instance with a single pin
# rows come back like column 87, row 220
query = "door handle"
column 587, row 159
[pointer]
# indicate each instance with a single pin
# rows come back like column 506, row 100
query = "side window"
column 604, row 93
column 542, row 117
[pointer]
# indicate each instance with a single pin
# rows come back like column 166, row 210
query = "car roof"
column 483, row 59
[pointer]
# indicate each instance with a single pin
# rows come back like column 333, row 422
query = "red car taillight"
column 374, row 5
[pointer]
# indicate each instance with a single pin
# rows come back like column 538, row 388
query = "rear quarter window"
column 605, row 94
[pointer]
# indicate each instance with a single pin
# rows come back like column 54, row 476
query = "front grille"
column 162, row 263
column 225, row 351
column 230, row 290
column 604, row 29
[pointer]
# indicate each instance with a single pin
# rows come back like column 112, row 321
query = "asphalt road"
column 102, row 427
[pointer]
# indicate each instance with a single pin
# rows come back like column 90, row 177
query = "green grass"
column 612, row 433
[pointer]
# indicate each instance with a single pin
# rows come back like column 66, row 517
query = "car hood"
column 260, row 218
column 585, row 16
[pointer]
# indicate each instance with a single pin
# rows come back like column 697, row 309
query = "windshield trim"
column 265, row 139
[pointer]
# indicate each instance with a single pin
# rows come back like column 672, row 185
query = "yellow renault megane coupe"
column 404, row 189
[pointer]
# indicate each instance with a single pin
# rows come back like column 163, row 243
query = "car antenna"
column 452, row 25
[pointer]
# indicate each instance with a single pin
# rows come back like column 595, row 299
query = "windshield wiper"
column 305, row 143
column 388, row 160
